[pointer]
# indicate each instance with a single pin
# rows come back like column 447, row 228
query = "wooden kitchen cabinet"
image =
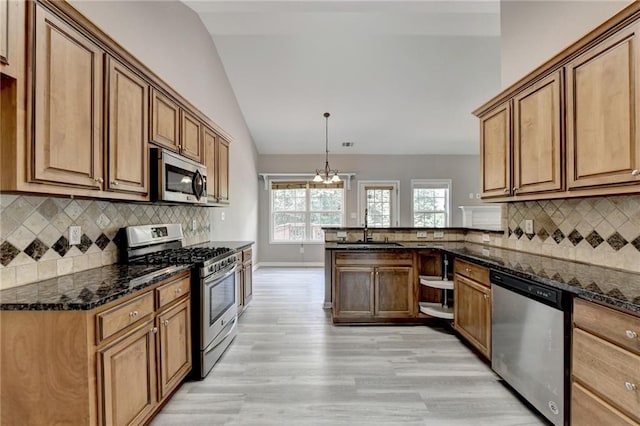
column 127, row 377
column 603, row 97
column 5, row 34
column 472, row 306
column 174, row 347
column 128, row 120
column 374, row 287
column 68, row 78
column 245, row 279
column 495, row 151
column 216, row 159
column 165, row 121
column 537, row 137
column 605, row 368
column 222, row 176
column 190, row 136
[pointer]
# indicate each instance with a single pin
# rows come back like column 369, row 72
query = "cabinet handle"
column 631, row 334
column 486, row 296
column 99, row 180
column 178, row 290
column 165, row 323
column 115, row 183
column 467, row 269
column 133, row 314
column 636, row 172
column 506, row 190
column 630, row 386
column 515, row 189
column 154, row 330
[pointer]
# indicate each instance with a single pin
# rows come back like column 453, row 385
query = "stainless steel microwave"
column 175, row 178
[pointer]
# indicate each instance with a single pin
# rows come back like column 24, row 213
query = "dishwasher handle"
column 550, row 296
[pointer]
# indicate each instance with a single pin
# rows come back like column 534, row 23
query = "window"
column 380, row 200
column 430, row 203
column 299, row 210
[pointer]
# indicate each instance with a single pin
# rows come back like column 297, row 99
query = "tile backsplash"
column 600, row 230
column 34, row 234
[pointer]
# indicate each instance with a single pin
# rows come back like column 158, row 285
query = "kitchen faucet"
column 366, row 237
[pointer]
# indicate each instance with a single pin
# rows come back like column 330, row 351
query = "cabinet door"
column 603, row 145
column 67, row 99
column 128, row 130
column 223, row 171
column 209, row 140
column 248, row 282
column 175, row 346
column 588, row 409
column 472, row 313
column 127, row 378
column 537, row 114
column 353, row 292
column 165, row 121
column 394, row 288
column 240, row 288
column 191, row 136
column 495, row 151
column 5, row 34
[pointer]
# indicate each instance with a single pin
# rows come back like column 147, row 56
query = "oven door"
column 218, row 304
column 179, row 179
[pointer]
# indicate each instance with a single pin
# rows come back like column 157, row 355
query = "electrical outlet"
column 341, row 234
column 438, row 234
column 528, row 226
column 478, row 196
column 222, row 216
column 486, row 238
column 421, row 234
column 301, row 249
column 193, row 224
column 75, row 235
column 471, row 196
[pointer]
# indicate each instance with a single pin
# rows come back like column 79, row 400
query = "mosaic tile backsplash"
column 601, row 230
column 34, row 235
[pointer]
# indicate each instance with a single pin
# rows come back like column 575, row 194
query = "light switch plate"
column 75, row 235
column 438, row 234
column 341, row 234
column 528, row 226
column 221, row 216
column 486, row 238
column 421, row 234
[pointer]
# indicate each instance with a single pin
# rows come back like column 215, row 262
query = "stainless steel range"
column 213, row 286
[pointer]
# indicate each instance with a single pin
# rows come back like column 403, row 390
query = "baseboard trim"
column 290, row 265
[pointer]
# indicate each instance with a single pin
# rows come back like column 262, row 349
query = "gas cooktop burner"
column 183, row 255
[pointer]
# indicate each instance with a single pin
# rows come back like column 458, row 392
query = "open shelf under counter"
column 435, row 281
column 436, row 310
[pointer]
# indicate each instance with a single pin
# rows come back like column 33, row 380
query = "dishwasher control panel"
column 547, row 295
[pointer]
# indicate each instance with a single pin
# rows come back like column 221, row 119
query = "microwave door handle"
column 197, row 184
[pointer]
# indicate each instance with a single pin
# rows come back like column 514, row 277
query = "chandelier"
column 328, row 175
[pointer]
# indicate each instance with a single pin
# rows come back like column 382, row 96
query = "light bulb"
column 318, row 178
column 335, row 178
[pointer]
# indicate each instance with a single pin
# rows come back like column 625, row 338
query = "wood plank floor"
column 290, row 366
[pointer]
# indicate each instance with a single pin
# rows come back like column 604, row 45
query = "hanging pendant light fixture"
column 328, row 175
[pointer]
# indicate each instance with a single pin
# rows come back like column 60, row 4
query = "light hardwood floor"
column 290, row 366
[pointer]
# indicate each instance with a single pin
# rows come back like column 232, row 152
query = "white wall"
column 170, row 39
column 463, row 170
column 534, row 31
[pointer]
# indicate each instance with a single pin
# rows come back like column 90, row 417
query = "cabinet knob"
column 636, row 172
column 467, row 269
column 133, row 314
column 99, row 180
column 506, row 190
column 486, row 296
column 165, row 323
column 631, row 334
column 515, row 189
column 115, row 183
column 630, row 386
column 178, row 290
column 154, row 330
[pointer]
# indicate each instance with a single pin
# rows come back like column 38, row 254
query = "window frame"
column 307, row 213
column 362, row 202
column 432, row 183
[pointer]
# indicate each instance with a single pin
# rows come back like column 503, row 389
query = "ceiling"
column 398, row 77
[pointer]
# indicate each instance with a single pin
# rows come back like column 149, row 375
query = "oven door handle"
column 222, row 277
column 217, row 340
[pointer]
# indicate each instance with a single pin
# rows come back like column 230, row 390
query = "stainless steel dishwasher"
column 530, row 342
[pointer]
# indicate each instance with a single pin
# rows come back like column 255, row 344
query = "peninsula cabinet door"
column 353, row 292
column 603, row 146
column 472, row 313
column 127, row 378
column 175, row 346
column 537, row 140
column 394, row 292
column 495, row 151
column 67, row 99
column 128, row 130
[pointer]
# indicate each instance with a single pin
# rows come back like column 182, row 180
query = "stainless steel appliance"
column 530, row 342
column 213, row 286
column 176, row 178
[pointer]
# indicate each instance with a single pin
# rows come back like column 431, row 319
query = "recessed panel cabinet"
column 165, row 121
column 191, row 136
column 603, row 145
column 223, row 171
column 4, row 32
column 394, row 292
column 353, row 295
column 216, row 159
column 67, row 98
column 175, row 346
column 495, row 151
column 472, row 307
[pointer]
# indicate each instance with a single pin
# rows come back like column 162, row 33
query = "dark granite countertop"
column 613, row 287
column 87, row 289
column 455, row 228
column 233, row 245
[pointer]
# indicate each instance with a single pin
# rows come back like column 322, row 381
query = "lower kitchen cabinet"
column 374, row 287
column 472, row 307
column 112, row 365
column 245, row 279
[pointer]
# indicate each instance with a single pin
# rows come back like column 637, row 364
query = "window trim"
column 306, row 212
column 361, row 193
column 437, row 183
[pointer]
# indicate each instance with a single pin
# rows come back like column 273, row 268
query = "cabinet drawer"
column 120, row 317
column 246, row 255
column 167, row 293
column 618, row 327
column 470, row 270
column 589, row 410
column 612, row 372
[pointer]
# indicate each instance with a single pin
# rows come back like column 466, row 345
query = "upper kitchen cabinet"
column 165, row 121
column 67, row 99
column 603, row 144
column 191, row 136
column 537, row 137
column 12, row 14
column 223, row 171
column 495, row 151
column 216, row 159
column 128, row 159
column 4, row 31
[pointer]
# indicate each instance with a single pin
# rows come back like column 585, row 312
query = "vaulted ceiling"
column 398, row 77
